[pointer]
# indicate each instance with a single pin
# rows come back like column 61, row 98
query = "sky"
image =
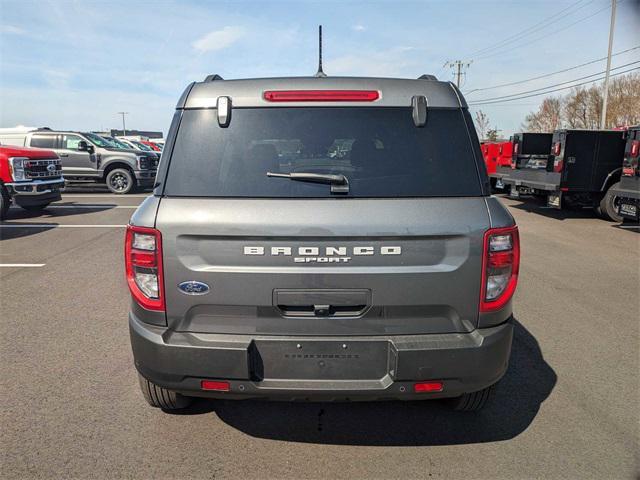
column 75, row 64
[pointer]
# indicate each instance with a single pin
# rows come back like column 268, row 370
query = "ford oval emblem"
column 194, row 288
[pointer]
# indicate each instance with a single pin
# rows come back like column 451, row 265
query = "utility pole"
column 124, row 128
column 603, row 119
column 458, row 66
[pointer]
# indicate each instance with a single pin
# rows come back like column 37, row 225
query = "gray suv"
column 90, row 157
column 321, row 239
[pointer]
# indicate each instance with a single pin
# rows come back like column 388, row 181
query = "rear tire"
column 5, row 202
column 472, row 402
column 607, row 208
column 120, row 181
column 35, row 208
column 161, row 397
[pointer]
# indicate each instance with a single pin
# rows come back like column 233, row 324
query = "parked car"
column 89, row 157
column 266, row 265
column 29, row 177
column 497, row 158
column 627, row 192
column 579, row 172
column 153, row 146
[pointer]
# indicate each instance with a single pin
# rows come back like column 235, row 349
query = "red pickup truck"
column 30, row 177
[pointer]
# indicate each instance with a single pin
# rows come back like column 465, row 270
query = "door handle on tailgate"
column 322, row 302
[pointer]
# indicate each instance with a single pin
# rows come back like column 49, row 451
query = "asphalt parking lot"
column 568, row 406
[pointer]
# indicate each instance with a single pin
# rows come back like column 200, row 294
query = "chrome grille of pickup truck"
column 41, row 169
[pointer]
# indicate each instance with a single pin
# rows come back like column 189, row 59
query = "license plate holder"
column 320, row 359
column 628, row 209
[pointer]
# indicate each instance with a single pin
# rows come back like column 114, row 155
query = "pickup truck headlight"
column 17, row 169
column 145, row 163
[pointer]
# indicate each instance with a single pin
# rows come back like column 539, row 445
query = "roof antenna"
column 320, row 73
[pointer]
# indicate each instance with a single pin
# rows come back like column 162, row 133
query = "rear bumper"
column 535, row 179
column 321, row 368
column 628, row 188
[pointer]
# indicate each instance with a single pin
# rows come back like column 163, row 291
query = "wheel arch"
column 113, row 164
column 612, row 178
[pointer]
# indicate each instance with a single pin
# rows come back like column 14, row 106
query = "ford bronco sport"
column 321, row 239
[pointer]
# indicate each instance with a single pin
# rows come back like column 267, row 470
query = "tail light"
column 557, row 162
column 635, row 148
column 500, row 265
column 143, row 265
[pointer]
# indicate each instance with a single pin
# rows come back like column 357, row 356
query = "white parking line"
column 89, row 207
column 96, row 195
column 22, row 265
column 54, row 225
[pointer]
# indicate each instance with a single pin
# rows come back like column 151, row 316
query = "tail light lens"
column 143, row 265
column 501, row 262
column 557, row 164
column 556, row 148
column 635, row 148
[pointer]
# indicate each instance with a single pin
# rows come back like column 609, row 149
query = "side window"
column 43, row 141
column 70, row 142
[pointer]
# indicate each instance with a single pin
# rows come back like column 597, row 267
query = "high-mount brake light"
column 143, row 266
column 500, row 265
column 321, row 95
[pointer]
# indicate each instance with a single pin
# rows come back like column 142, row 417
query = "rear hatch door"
column 323, row 267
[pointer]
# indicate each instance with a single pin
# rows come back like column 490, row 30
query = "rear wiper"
column 339, row 183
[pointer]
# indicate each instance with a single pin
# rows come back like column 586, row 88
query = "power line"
column 555, row 84
column 551, row 91
column 493, row 87
column 483, row 57
column 526, row 31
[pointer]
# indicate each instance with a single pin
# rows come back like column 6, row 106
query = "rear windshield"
column 379, row 150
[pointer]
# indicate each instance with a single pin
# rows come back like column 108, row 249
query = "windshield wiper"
column 339, row 183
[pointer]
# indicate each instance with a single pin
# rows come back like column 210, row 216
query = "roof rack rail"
column 213, row 77
column 427, row 77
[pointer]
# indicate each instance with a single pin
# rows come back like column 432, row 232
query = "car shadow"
column 535, row 205
column 43, row 220
column 517, row 400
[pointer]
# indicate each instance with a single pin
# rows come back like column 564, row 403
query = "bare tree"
column 482, row 124
column 548, row 117
column 582, row 107
column 623, row 106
